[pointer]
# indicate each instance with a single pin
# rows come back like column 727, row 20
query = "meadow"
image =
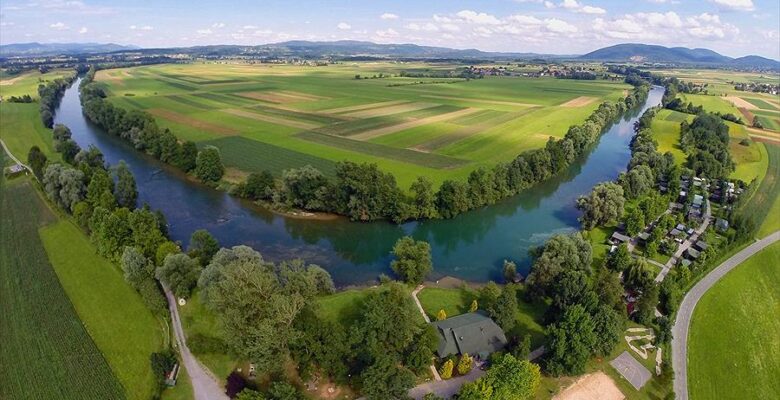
column 46, row 351
column 27, row 82
column 276, row 117
column 21, row 128
column 734, row 343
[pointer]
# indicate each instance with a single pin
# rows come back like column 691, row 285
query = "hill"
column 42, row 49
column 635, row 52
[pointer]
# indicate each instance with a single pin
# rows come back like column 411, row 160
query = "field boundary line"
column 411, row 124
column 486, row 101
column 185, row 119
column 362, row 107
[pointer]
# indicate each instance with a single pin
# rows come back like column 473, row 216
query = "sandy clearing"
column 271, row 119
column 280, row 97
column 596, row 386
column 581, row 101
column 189, row 121
column 485, row 101
column 740, row 102
column 361, row 107
column 411, row 124
column 6, row 82
column 390, row 110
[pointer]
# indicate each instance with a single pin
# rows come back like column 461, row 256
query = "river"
column 471, row 246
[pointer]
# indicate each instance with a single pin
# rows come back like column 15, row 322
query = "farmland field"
column 46, row 351
column 735, row 333
column 21, row 128
column 27, row 82
column 278, row 117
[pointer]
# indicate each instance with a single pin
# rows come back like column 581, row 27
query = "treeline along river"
column 471, row 246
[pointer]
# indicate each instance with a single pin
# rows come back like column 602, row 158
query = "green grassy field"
column 763, row 205
column 123, row 328
column 282, row 116
column 734, row 350
column 46, row 351
column 666, row 131
column 27, row 82
column 21, row 128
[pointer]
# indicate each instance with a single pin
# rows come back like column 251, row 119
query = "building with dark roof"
column 472, row 333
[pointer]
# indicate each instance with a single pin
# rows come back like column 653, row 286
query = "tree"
column 488, row 295
column 99, row 186
column 202, row 246
column 620, row 259
column 420, row 352
column 413, row 259
column 608, row 326
column 126, row 192
column 571, row 341
column 322, row 346
column 37, row 161
column 560, row 253
column 645, row 310
column 363, row 192
column 304, row 187
column 603, row 206
column 446, row 369
column 388, row 325
column 572, row 288
column 441, row 316
column 523, row 349
column 180, row 273
column 188, row 157
column 249, row 394
column 637, row 182
column 635, row 221
column 424, row 199
column 504, row 312
column 452, row 198
column 510, row 271
column 258, row 186
column 511, row 378
column 136, row 267
column 609, row 290
column 208, row 166
column 385, row 379
column 474, row 306
column 163, row 250
column 464, row 365
column 283, row 391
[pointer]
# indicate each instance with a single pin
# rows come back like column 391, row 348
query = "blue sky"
column 732, row 27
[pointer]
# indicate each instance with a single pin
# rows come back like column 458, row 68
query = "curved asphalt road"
column 683, row 321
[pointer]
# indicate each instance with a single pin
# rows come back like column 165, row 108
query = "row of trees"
column 706, row 141
column 50, row 95
column 141, row 130
column 361, row 191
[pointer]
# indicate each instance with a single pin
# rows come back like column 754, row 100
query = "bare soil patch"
column 6, row 82
column 596, row 386
column 747, row 114
column 361, row 107
column 740, row 102
column 411, row 124
column 189, row 121
column 389, row 110
column 581, row 101
column 271, row 119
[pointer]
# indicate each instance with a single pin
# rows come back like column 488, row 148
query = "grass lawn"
column 21, row 128
column 123, row 328
column 45, row 350
column 734, row 350
column 598, row 241
column 763, row 205
column 27, row 82
column 666, row 131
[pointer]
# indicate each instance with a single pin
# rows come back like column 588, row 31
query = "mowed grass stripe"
column 273, row 120
column 404, row 155
column 187, row 101
column 295, row 114
column 390, row 110
column 476, row 100
column 411, row 124
column 760, row 103
column 362, row 107
column 460, row 134
column 46, row 352
column 191, row 121
column 254, row 156
column 230, row 100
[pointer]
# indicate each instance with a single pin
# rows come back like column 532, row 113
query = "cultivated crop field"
column 735, row 333
column 46, row 352
column 275, row 117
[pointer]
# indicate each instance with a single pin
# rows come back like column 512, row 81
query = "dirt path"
column 683, row 321
column 204, row 385
column 435, row 373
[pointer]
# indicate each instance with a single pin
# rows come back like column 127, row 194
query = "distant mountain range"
column 46, row 49
column 634, row 52
column 352, row 49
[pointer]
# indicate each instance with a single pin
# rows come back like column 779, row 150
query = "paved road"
column 204, row 385
column 686, row 244
column 683, row 321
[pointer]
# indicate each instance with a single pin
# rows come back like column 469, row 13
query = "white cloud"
column 742, row 5
column 576, row 6
column 344, row 26
column 249, row 27
column 387, row 33
column 474, row 17
column 559, row 26
column 592, row 10
column 427, row 27
column 141, row 28
column 58, row 26
column 206, row 31
column 83, row 30
column 388, row 16
column 218, row 25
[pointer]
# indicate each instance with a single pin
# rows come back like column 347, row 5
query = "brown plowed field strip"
column 394, row 109
column 501, row 102
column 740, row 102
column 189, row 121
column 362, row 107
column 581, row 101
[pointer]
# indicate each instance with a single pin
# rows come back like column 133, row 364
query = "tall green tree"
column 571, row 342
column 180, row 273
column 603, row 206
column 424, row 198
column 413, row 259
column 37, row 161
column 208, row 165
column 202, row 246
column 126, row 192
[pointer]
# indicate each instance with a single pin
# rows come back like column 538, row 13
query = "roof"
column 693, row 253
column 620, row 237
column 701, row 245
column 471, row 333
column 644, row 236
column 675, row 232
column 722, row 223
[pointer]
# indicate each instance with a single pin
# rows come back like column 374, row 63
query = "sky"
column 731, row 27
